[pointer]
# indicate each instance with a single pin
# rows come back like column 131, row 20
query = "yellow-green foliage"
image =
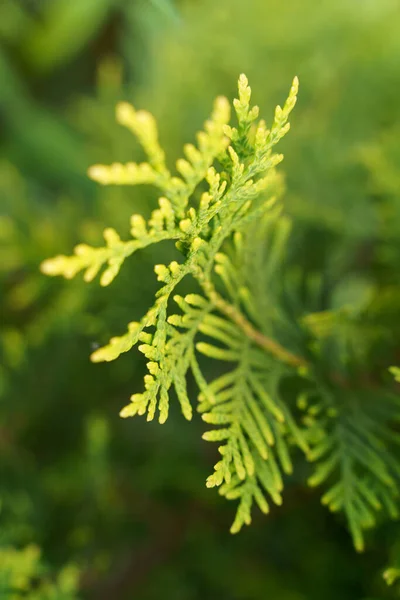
column 242, row 189
column 224, row 216
column 199, row 230
column 22, row 575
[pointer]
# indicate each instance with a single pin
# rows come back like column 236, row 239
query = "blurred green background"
column 125, row 501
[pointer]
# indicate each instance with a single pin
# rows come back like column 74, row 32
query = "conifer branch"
column 263, row 341
column 234, row 230
column 238, row 166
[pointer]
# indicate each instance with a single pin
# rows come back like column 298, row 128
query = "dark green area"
column 125, row 501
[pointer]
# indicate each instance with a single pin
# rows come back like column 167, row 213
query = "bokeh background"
column 118, row 508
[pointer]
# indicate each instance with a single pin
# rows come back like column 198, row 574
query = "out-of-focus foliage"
column 122, row 500
column 22, row 575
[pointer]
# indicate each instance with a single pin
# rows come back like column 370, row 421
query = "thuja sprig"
column 232, row 240
column 238, row 165
column 199, row 227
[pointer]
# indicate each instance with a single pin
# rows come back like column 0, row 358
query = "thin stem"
column 265, row 342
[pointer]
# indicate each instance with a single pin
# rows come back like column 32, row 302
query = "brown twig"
column 251, row 332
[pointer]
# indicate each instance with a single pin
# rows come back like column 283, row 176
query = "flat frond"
column 255, row 426
column 238, row 210
column 199, row 228
column 354, row 449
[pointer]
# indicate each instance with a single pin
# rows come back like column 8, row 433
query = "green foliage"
column 122, row 500
column 233, row 202
column 22, row 575
column 352, row 440
column 396, row 372
column 355, row 450
column 391, row 575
